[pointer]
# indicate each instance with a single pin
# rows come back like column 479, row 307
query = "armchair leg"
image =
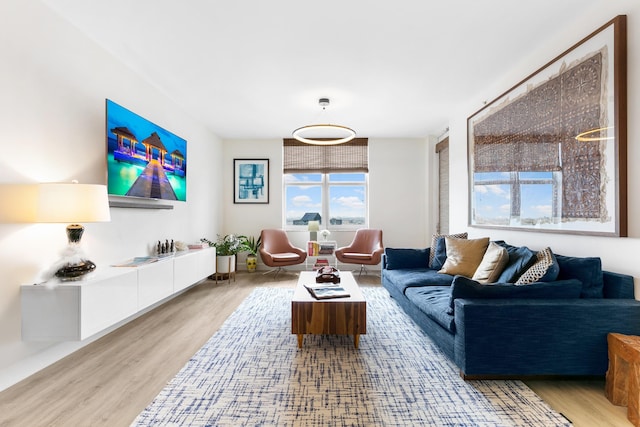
column 366, row 271
column 275, row 270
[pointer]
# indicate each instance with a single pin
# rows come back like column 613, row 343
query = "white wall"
column 54, row 82
column 618, row 254
column 399, row 181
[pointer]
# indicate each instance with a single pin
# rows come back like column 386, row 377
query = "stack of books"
column 321, row 262
column 326, row 249
column 320, row 248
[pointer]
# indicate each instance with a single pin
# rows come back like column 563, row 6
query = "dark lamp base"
column 75, row 271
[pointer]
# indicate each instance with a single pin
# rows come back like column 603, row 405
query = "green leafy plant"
column 228, row 245
column 251, row 243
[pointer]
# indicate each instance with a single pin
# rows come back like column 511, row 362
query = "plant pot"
column 225, row 264
column 252, row 263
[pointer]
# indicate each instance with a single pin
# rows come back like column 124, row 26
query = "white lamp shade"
column 55, row 202
column 314, row 225
column 19, row 203
column 72, row 203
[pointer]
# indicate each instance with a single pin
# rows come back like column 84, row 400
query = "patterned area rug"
column 252, row 373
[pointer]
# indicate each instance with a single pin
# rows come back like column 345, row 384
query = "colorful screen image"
column 143, row 159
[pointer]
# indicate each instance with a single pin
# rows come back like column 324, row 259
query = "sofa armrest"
column 617, row 285
column 516, row 338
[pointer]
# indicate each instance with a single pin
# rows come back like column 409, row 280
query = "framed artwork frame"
column 251, row 181
column 550, row 154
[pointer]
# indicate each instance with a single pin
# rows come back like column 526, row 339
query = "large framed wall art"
column 250, row 180
column 550, row 154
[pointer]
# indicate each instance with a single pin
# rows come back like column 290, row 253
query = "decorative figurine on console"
column 165, row 249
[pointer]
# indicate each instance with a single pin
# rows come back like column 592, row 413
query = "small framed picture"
column 250, row 180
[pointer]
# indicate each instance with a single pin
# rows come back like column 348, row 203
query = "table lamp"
column 59, row 203
column 314, row 226
column 74, row 203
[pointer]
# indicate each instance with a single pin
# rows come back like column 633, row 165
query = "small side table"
column 623, row 374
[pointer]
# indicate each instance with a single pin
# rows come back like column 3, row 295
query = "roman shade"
column 352, row 156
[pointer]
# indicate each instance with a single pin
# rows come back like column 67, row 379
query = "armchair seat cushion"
column 287, row 256
column 357, row 256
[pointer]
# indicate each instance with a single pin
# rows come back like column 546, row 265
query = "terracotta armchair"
column 277, row 251
column 365, row 249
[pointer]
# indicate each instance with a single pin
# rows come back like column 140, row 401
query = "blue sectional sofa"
column 501, row 330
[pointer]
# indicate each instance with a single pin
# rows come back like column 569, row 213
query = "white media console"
column 74, row 311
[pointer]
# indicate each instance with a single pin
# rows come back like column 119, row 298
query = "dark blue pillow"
column 441, row 254
column 406, row 258
column 587, row 270
column 462, row 287
column 520, row 259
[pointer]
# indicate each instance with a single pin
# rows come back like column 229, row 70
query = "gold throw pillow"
column 464, row 256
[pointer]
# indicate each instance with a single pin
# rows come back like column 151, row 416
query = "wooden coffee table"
column 339, row 316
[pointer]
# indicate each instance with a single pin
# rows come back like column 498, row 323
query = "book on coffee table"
column 327, row 291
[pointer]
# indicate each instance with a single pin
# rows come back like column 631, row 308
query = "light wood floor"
column 110, row 381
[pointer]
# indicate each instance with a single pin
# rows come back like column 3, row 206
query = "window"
column 327, row 183
column 337, row 200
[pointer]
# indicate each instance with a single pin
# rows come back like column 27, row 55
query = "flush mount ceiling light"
column 324, row 134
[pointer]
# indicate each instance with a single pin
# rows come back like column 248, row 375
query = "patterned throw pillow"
column 544, row 269
column 434, row 243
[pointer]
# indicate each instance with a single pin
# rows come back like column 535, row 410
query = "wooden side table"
column 623, row 375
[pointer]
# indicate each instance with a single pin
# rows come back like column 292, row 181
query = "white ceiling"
column 256, row 68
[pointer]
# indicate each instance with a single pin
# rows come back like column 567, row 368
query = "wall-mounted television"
column 143, row 159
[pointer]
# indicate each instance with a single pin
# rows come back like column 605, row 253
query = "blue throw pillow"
column 462, row 287
column 441, row 254
column 587, row 270
column 520, row 259
column 406, row 258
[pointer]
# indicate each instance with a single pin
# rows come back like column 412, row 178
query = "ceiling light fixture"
column 324, row 134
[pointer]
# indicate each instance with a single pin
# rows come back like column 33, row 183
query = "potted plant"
column 227, row 247
column 252, row 245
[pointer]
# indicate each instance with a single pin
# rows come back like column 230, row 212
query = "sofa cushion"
column 416, row 277
column 464, row 256
column 493, row 262
column 462, row 287
column 406, row 258
column 544, row 269
column 520, row 258
column 441, row 254
column 587, row 270
column 433, row 301
column 434, row 242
